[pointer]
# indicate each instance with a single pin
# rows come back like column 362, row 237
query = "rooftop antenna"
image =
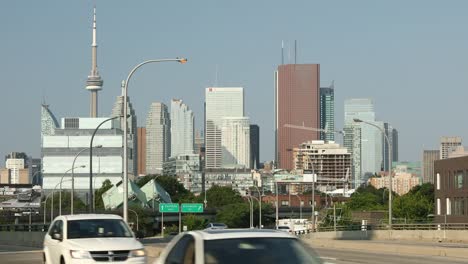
column 295, row 51
column 289, row 54
column 282, row 52
column 216, row 76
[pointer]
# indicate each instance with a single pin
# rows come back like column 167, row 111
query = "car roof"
column 90, row 216
column 239, row 233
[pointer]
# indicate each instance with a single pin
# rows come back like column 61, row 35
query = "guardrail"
column 24, row 227
column 431, row 226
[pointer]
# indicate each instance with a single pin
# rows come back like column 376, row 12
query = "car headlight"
column 137, row 253
column 80, row 254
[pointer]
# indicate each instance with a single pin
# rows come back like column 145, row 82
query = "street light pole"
column 90, row 205
column 136, row 217
column 73, row 177
column 60, row 193
column 300, row 206
column 125, row 163
column 390, row 184
column 260, row 207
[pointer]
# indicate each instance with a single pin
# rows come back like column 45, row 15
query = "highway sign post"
column 167, row 208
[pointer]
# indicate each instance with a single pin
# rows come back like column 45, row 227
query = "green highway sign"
column 192, row 208
column 168, row 208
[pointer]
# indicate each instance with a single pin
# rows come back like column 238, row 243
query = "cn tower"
column 94, row 82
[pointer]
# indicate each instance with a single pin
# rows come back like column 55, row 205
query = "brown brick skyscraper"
column 296, row 103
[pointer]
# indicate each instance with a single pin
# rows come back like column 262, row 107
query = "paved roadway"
column 27, row 255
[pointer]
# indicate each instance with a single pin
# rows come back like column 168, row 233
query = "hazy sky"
column 410, row 57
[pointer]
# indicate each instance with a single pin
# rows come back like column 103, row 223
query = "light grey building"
column 238, row 179
column 392, row 135
column 187, row 170
column 118, row 110
column 219, row 103
column 158, row 138
column 370, row 147
column 60, row 149
column 429, row 157
column 327, row 112
column 448, row 144
column 182, row 128
column 235, row 142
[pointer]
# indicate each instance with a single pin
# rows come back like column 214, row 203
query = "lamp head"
column 357, row 120
column 182, row 60
column 82, row 166
column 98, row 146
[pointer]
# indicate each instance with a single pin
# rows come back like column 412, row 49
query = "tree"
column 194, row 222
column 416, row 205
column 99, row 203
column 219, row 196
column 235, row 215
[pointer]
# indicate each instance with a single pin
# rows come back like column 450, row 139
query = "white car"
column 246, row 246
column 91, row 238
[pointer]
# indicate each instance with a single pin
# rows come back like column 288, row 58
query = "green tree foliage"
column 416, row 205
column 78, row 204
column 194, row 222
column 235, row 215
column 368, row 198
column 99, row 204
column 218, row 196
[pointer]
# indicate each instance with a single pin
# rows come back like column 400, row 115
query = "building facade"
column 296, row 103
column 17, row 169
column 158, row 138
column 327, row 112
column 59, row 151
column 235, row 142
column 187, row 170
column 240, row 180
column 451, row 190
column 392, row 135
column 182, row 128
column 220, row 102
column 329, row 161
column 254, row 146
column 402, row 182
column 429, row 157
column 370, row 145
column 447, row 144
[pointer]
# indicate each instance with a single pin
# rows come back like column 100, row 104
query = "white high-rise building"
column 219, row 103
column 182, row 128
column 235, row 142
column 363, row 140
column 158, row 138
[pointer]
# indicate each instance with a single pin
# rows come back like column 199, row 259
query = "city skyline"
column 437, row 31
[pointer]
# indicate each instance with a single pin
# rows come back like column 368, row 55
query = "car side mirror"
column 57, row 236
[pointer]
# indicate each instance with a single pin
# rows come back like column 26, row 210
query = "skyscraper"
column 235, row 142
column 94, row 82
column 447, row 144
column 132, row 138
column 158, row 140
column 392, row 135
column 219, row 103
column 254, row 146
column 429, row 157
column 327, row 112
column 182, row 128
column 370, row 145
column 296, row 103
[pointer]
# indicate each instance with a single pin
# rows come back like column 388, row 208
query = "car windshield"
column 258, row 251
column 218, row 225
column 92, row 228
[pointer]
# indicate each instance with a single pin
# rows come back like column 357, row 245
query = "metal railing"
column 431, row 226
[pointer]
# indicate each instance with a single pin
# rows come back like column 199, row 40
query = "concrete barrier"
column 453, row 236
column 20, row 238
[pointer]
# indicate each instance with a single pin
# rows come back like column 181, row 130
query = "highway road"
column 26, row 255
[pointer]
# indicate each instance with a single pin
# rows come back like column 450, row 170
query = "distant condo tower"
column 94, row 82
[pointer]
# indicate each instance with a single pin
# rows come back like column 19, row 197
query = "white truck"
column 296, row 226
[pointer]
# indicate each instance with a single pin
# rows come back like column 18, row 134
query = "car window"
column 92, row 228
column 258, row 251
column 183, row 251
column 56, row 227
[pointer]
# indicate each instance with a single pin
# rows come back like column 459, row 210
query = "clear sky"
column 410, row 57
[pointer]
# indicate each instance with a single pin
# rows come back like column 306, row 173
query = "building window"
column 459, row 179
column 448, row 206
column 284, row 203
column 438, row 206
column 438, row 181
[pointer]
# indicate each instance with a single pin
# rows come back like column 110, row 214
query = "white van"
column 91, row 238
